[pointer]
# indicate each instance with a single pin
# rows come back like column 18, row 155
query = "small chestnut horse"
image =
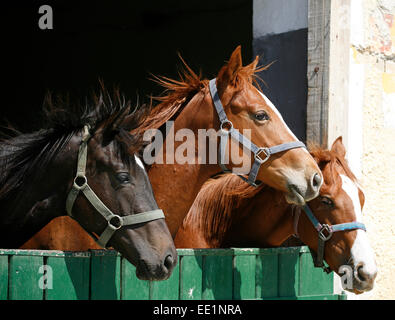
column 189, row 103
column 228, row 213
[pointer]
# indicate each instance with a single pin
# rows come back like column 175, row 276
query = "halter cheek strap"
column 114, row 221
column 261, row 155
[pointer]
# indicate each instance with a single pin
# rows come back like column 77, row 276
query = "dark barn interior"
column 120, row 42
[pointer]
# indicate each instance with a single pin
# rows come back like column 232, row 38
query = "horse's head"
column 293, row 171
column 118, row 179
column 340, row 201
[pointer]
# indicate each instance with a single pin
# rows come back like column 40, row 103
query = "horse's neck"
column 32, row 217
column 36, row 206
column 267, row 221
column 176, row 185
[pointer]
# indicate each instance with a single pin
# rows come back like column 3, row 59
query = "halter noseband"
column 114, row 221
column 261, row 155
column 325, row 232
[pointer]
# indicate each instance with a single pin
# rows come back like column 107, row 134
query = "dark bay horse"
column 229, row 213
column 84, row 164
column 188, row 103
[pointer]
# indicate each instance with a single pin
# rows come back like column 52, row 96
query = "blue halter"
column 325, row 232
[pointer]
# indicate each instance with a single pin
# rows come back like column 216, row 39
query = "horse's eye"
column 327, row 201
column 123, row 177
column 261, row 116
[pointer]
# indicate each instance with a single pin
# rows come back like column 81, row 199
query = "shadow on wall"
column 285, row 82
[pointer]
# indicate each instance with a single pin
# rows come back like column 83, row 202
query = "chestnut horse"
column 228, row 213
column 84, row 165
column 189, row 104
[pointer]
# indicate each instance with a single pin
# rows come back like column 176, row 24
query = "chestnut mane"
column 214, row 207
column 177, row 93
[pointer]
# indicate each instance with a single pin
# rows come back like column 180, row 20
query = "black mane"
column 25, row 157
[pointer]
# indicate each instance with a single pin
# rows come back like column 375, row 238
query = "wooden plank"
column 167, row 289
column 208, row 252
column 70, row 277
column 132, row 287
column 217, row 277
column 266, row 275
column 24, row 278
column 328, row 70
column 318, row 71
column 244, row 277
column 288, row 275
column 105, row 275
column 313, row 281
column 3, row 277
column 191, row 277
column 33, row 252
column 339, row 65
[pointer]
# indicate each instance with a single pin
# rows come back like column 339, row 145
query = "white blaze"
column 271, row 105
column 138, row 161
column 361, row 251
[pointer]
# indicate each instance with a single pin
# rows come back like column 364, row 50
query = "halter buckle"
column 259, row 151
column 326, row 228
column 224, row 124
column 80, row 182
column 117, row 224
column 256, row 184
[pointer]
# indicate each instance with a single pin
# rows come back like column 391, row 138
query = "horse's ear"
column 338, row 147
column 252, row 65
column 228, row 72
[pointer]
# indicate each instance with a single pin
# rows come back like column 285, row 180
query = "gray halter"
column 114, row 221
column 235, row 134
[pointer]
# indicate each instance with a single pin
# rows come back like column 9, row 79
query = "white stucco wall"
column 371, row 129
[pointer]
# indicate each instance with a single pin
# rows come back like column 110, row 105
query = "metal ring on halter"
column 120, row 220
column 80, row 186
column 222, row 126
column 321, row 234
column 258, row 158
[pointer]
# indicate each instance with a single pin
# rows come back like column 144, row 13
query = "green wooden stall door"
column 132, row 287
column 244, row 276
column 70, row 277
column 167, row 289
column 191, row 277
column 26, row 277
column 217, row 277
column 3, row 277
column 105, row 275
column 207, row 274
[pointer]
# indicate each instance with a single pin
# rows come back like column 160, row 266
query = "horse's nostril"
column 316, row 181
column 361, row 274
column 168, row 262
